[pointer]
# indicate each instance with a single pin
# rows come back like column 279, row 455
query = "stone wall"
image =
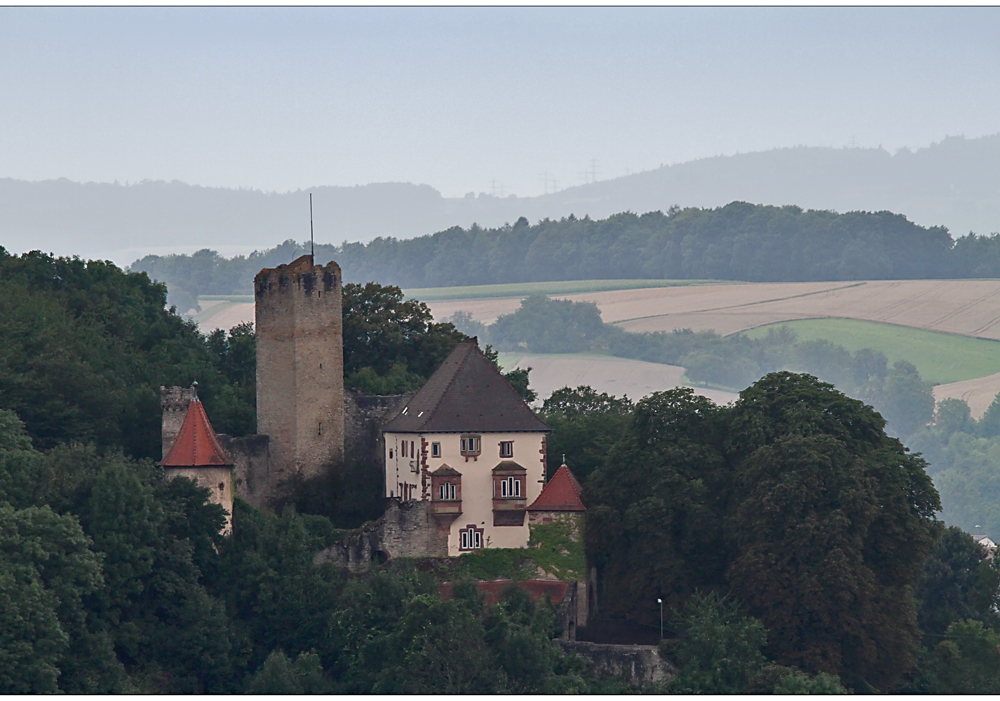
column 364, row 416
column 256, row 477
column 638, row 664
column 405, row 530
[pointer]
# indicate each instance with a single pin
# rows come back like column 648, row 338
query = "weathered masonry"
column 300, row 364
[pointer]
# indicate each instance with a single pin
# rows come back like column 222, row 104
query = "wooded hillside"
column 740, row 241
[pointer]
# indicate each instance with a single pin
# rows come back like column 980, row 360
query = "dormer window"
column 471, row 446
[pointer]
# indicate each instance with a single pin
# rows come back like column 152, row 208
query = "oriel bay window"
column 471, row 446
column 509, row 494
column 446, row 494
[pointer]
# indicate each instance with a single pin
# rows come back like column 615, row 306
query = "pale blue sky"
column 279, row 99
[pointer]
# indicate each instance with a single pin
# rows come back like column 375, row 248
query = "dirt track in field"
column 966, row 307
column 978, row 393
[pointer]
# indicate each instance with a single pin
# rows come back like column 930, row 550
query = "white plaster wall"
column 477, row 479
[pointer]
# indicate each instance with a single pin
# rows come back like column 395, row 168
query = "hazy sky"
column 279, row 99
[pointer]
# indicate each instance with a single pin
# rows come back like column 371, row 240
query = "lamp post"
column 660, row 602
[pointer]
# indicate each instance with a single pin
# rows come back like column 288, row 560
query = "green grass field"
column 524, row 289
column 940, row 357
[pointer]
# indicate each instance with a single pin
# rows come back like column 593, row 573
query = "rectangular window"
column 435, row 450
column 470, row 538
column 390, row 453
column 413, row 453
column 506, row 449
column 503, row 488
column 447, row 492
column 404, row 449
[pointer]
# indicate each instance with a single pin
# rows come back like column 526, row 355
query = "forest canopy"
column 739, row 241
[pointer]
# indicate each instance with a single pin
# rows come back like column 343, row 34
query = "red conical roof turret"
column 562, row 493
column 196, row 444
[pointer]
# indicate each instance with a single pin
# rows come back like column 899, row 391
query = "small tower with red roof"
column 197, row 454
column 561, row 502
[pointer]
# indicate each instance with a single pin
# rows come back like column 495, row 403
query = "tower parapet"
column 300, row 364
column 174, row 402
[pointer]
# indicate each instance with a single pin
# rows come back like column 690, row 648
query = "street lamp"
column 660, row 602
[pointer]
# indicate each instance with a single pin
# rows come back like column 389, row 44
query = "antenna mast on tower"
column 312, row 244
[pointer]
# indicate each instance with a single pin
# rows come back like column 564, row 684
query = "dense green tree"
column 46, row 571
column 585, row 424
column 279, row 675
column 719, row 651
column 957, row 583
column 827, row 510
column 543, row 325
column 274, row 594
column 391, row 344
column 86, row 348
column 656, row 505
column 965, row 662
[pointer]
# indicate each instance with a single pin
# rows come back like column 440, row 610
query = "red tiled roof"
column 537, row 588
column 196, row 444
column 561, row 493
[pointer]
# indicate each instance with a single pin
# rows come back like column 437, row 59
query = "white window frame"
column 435, row 450
column 506, row 449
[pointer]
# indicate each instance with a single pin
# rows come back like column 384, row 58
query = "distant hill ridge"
column 739, row 241
column 954, row 183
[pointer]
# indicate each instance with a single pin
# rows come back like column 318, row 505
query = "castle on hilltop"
column 462, row 460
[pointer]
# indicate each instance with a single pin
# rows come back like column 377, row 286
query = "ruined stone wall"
column 405, row 530
column 300, row 364
column 174, row 405
column 639, row 664
column 364, row 417
column 256, row 477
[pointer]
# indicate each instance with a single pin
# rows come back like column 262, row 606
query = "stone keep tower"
column 300, row 364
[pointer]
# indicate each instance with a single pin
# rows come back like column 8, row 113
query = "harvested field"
column 978, row 393
column 224, row 315
column 965, row 307
column 616, row 376
column 562, row 287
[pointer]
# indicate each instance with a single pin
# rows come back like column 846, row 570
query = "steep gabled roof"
column 466, row 395
column 196, row 444
column 561, row 493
